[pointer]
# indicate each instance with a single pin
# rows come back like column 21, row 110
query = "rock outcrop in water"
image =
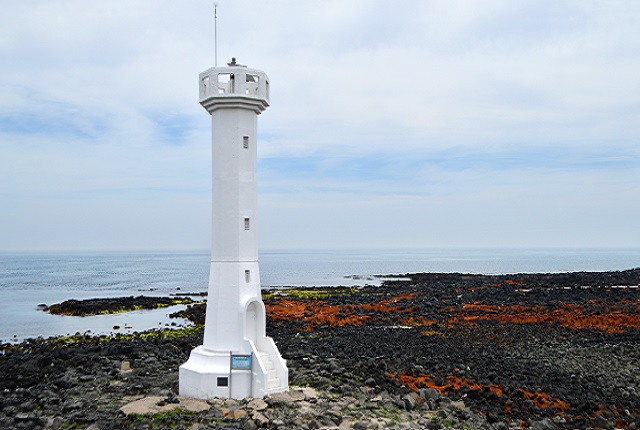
column 114, row 305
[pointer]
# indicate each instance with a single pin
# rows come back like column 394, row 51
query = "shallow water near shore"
column 36, row 323
column 29, row 279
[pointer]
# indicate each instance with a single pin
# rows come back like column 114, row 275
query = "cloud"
column 390, row 124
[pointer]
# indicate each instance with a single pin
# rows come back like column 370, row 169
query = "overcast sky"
column 431, row 124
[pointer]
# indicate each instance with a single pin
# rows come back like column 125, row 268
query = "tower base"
column 209, row 374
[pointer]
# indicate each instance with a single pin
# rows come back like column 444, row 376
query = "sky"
column 409, row 124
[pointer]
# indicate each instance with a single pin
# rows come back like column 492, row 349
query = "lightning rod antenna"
column 215, row 31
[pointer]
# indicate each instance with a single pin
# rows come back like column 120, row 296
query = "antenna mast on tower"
column 215, row 31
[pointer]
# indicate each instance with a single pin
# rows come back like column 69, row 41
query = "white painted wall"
column 235, row 321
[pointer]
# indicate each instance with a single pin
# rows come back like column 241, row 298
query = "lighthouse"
column 237, row 359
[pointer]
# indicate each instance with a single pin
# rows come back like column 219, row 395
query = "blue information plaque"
column 241, row 362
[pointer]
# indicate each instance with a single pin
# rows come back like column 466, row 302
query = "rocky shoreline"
column 430, row 351
column 81, row 308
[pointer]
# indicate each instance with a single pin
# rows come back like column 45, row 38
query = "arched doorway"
column 251, row 321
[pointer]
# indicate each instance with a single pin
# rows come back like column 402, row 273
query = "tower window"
column 247, row 275
column 253, row 81
column 226, row 83
column 245, row 142
column 247, row 224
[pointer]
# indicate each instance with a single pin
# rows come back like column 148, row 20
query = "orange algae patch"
column 543, row 400
column 431, row 333
column 390, row 305
column 512, row 282
column 500, row 285
column 454, row 383
column 449, row 383
column 319, row 312
column 313, row 313
column 419, row 321
column 607, row 317
column 508, row 282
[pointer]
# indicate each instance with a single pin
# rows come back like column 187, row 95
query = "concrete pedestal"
column 206, row 375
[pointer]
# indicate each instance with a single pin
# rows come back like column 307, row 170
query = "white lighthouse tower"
column 236, row 359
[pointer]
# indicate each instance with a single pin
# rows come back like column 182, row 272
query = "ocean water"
column 30, row 279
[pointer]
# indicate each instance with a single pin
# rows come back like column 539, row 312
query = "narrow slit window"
column 247, row 275
column 247, row 224
column 205, row 86
column 245, row 142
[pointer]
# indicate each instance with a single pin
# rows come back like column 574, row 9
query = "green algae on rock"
column 114, row 305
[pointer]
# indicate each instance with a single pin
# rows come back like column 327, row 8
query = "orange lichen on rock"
column 450, row 383
column 543, row 400
column 313, row 313
column 287, row 309
column 500, row 285
column 318, row 312
column 419, row 321
column 390, row 305
column 432, row 333
column 607, row 317
column 508, row 282
column 454, row 383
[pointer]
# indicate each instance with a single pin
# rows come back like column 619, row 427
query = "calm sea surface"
column 29, row 279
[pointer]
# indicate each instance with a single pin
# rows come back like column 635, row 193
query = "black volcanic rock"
column 494, row 352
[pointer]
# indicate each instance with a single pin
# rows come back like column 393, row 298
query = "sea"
column 31, row 279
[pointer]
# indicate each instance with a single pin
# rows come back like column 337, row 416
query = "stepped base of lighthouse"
column 209, row 374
